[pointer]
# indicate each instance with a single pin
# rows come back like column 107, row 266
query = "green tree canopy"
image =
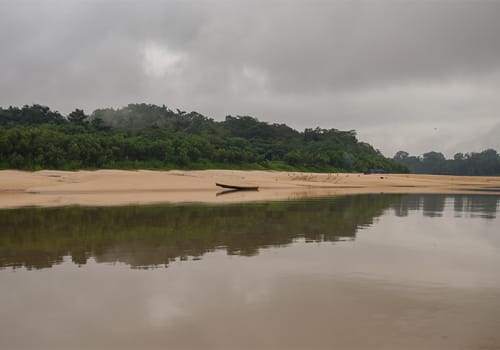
column 150, row 136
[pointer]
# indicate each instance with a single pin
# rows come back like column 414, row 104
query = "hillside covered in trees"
column 155, row 137
column 486, row 162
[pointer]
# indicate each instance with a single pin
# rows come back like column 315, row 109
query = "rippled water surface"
column 357, row 272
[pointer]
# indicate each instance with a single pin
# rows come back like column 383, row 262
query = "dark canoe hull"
column 238, row 188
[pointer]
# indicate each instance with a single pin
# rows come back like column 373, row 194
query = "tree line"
column 156, row 137
column 483, row 163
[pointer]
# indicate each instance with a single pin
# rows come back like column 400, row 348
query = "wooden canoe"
column 238, row 187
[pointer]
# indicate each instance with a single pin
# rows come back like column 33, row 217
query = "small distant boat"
column 237, row 187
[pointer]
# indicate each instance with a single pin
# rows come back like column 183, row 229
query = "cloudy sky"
column 412, row 75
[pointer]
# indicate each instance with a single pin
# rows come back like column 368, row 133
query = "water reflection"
column 405, row 272
column 434, row 205
column 147, row 236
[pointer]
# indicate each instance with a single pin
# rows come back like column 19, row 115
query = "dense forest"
column 156, row 137
column 486, row 162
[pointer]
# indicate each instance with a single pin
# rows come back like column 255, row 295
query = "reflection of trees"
column 432, row 205
column 482, row 206
column 155, row 235
column 143, row 236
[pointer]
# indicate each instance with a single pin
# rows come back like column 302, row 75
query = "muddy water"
column 357, row 272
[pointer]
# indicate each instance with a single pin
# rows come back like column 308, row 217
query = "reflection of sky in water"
column 414, row 281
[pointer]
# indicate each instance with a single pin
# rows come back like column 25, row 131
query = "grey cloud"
column 367, row 65
column 307, row 47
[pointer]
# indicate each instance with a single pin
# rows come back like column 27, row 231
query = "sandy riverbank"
column 118, row 187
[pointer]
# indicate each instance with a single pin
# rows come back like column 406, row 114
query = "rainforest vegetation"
column 486, row 162
column 155, row 137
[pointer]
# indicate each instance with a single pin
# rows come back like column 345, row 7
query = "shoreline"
column 51, row 188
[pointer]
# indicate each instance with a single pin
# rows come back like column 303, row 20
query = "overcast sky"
column 411, row 75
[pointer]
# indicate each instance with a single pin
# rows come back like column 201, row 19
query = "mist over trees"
column 156, row 137
column 486, row 162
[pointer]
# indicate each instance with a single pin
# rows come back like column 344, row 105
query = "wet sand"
column 120, row 187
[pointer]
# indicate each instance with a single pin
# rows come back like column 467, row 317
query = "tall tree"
column 78, row 117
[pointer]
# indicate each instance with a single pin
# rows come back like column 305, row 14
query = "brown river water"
column 352, row 272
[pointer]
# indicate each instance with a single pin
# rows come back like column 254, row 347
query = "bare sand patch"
column 120, row 187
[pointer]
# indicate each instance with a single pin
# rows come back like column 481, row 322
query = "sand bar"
column 120, row 187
